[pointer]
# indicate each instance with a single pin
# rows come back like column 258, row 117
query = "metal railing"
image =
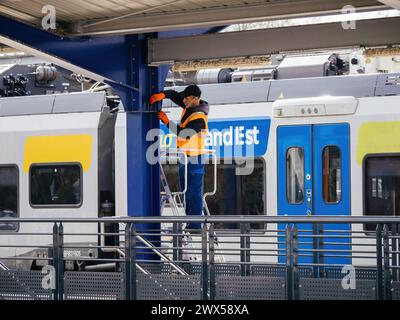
column 156, row 258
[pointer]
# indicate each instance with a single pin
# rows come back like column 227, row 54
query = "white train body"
column 93, row 140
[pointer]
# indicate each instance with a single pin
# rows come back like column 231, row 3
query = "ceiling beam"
column 221, row 16
column 7, row 11
column 369, row 33
column 391, row 3
column 50, row 58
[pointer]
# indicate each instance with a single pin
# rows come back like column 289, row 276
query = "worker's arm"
column 174, row 96
column 172, row 126
column 193, row 127
column 169, row 94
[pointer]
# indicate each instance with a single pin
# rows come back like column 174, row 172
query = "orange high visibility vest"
column 195, row 145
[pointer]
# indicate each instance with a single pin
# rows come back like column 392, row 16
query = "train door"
column 314, row 180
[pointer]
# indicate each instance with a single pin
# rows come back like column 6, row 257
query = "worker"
column 191, row 132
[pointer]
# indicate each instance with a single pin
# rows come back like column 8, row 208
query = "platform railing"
column 230, row 257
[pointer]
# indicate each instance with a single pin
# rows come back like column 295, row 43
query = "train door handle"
column 308, row 193
column 309, row 203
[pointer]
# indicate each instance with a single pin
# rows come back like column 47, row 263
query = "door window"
column 295, row 175
column 331, row 174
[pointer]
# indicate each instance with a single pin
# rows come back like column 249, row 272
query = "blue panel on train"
column 332, row 189
column 231, row 138
column 314, row 180
column 294, row 153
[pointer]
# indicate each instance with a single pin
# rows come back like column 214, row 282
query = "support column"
column 143, row 177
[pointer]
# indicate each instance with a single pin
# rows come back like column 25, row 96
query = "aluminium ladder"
column 178, row 209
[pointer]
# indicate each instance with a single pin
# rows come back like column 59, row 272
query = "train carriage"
column 321, row 146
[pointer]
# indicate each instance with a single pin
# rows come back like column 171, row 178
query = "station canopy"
column 102, row 17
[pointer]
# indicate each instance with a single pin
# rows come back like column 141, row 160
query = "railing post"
column 386, row 264
column 212, row 261
column 242, row 252
column 320, row 248
column 379, row 271
column 204, row 271
column 177, row 242
column 315, row 247
column 395, row 259
column 55, row 258
column 244, row 249
column 60, row 273
column 58, row 262
column 296, row 293
column 130, row 262
column 116, row 242
column 289, row 264
column 248, row 251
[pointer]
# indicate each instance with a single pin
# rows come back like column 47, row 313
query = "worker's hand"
column 157, row 97
column 163, row 117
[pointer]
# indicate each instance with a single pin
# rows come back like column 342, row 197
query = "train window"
column 236, row 194
column 295, row 175
column 8, row 197
column 331, row 174
column 56, row 185
column 382, row 186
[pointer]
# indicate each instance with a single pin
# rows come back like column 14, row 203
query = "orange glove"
column 163, row 117
column 157, row 97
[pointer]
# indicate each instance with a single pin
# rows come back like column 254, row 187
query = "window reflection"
column 55, row 185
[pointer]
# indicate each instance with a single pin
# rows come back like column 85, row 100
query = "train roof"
column 52, row 103
column 358, row 86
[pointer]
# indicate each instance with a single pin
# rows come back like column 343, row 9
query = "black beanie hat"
column 191, row 90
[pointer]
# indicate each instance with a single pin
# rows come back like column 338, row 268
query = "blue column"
column 143, row 177
column 122, row 60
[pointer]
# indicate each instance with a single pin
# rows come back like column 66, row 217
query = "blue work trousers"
column 194, row 192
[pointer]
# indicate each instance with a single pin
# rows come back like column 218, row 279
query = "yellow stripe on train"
column 54, row 149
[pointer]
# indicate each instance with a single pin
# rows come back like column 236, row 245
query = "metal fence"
column 157, row 259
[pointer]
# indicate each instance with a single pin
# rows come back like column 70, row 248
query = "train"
column 308, row 146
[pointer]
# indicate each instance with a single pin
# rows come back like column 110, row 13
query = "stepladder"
column 173, row 204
